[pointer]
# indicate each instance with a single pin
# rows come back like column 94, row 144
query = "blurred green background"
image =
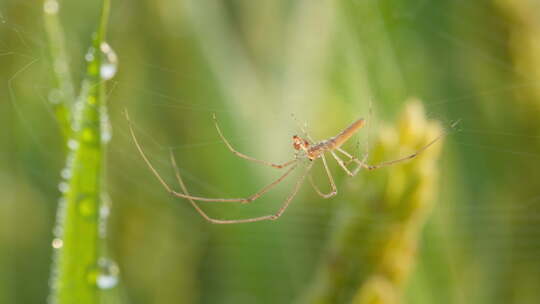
column 254, row 63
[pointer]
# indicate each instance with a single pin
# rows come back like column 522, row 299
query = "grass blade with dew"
column 62, row 96
column 78, row 271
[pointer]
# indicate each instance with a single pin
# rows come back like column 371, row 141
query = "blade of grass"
column 62, row 96
column 76, row 268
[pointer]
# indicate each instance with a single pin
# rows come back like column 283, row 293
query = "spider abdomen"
column 344, row 135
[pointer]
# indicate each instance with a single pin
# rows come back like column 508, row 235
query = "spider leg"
column 198, row 198
column 146, row 160
column 302, row 128
column 292, row 194
column 235, row 152
column 415, row 154
column 341, row 163
column 245, row 200
column 199, row 209
column 330, row 179
column 362, row 164
column 247, row 220
column 352, row 158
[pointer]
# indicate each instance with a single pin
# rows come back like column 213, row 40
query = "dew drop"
column 109, row 64
column 63, row 187
column 90, row 55
column 50, row 7
column 57, row 230
column 88, row 135
column 65, row 173
column 106, row 136
column 106, row 274
column 104, row 211
column 72, row 144
column 106, row 130
column 107, row 71
column 87, row 207
column 57, row 243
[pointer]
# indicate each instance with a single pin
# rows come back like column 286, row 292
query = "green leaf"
column 77, row 266
column 62, row 96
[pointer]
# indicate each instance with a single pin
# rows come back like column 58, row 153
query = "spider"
column 305, row 148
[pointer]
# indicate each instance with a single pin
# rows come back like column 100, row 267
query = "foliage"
column 79, row 265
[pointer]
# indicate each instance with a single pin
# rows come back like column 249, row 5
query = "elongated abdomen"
column 343, row 136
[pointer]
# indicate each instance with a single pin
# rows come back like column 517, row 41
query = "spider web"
column 316, row 62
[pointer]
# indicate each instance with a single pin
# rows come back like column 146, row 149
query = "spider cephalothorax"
column 300, row 143
column 307, row 149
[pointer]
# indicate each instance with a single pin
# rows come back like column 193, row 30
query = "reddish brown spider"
column 305, row 148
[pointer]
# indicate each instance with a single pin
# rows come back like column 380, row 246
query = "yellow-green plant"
column 373, row 248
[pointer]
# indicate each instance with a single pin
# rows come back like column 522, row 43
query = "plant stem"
column 77, row 241
column 62, row 97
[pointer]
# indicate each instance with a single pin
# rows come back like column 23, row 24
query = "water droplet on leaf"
column 87, row 207
column 105, row 276
column 72, row 144
column 106, row 130
column 65, row 173
column 90, row 55
column 63, row 187
column 109, row 62
column 88, row 135
column 50, row 7
column 57, row 243
column 104, row 211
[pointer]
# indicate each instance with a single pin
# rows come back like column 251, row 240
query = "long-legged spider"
column 305, row 148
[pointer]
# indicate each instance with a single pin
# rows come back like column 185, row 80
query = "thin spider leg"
column 245, row 200
column 292, row 195
column 247, row 220
column 198, row 198
column 199, row 210
column 403, row 159
column 351, row 159
column 235, row 152
column 302, row 128
column 269, row 186
column 362, row 164
column 146, row 160
column 330, row 179
column 341, row 163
